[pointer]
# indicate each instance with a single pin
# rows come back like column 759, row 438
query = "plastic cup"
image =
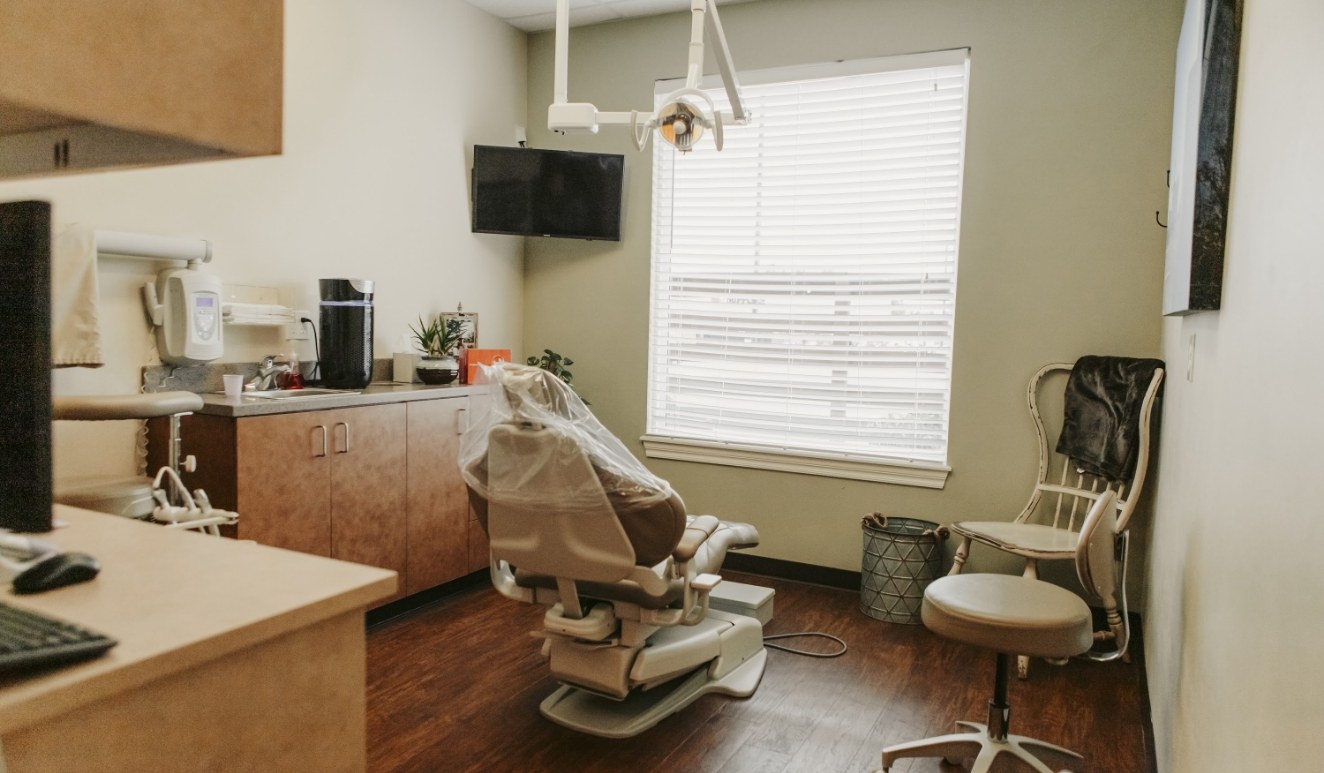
column 234, row 384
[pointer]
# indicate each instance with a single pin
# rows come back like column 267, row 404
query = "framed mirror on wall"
column 1201, row 172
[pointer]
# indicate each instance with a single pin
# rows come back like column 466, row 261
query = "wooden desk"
column 232, row 657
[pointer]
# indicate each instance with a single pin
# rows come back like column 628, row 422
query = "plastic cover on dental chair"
column 651, row 513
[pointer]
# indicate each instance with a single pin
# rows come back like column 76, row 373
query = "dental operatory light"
column 685, row 114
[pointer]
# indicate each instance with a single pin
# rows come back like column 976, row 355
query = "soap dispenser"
column 292, row 378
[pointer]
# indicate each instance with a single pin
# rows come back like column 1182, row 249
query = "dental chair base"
column 734, row 643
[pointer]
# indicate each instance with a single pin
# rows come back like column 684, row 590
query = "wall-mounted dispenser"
column 183, row 304
column 185, row 308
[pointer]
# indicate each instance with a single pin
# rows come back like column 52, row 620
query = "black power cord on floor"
column 784, row 648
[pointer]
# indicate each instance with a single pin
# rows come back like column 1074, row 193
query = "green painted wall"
column 1069, row 124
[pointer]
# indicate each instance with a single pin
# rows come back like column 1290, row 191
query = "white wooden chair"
column 1047, row 528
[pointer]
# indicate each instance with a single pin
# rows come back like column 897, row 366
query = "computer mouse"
column 56, row 572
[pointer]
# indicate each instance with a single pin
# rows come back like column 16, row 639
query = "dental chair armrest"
column 113, row 407
column 697, row 531
column 704, row 583
column 709, row 553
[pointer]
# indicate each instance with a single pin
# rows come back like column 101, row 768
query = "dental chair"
column 578, row 525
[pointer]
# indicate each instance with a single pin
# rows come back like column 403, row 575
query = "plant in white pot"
column 437, row 340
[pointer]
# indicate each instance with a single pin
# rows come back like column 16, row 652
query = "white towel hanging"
column 75, row 312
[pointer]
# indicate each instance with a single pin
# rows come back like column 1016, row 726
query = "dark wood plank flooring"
column 455, row 686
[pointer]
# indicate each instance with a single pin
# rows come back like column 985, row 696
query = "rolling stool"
column 1017, row 615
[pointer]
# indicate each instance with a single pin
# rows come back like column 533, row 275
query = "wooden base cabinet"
column 283, row 481
column 438, row 503
column 377, row 484
column 330, row 483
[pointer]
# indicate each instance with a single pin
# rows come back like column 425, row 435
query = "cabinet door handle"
column 342, row 448
column 319, row 448
column 461, row 420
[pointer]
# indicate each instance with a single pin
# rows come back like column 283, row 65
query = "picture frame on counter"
column 469, row 323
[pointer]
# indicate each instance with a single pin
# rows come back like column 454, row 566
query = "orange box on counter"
column 470, row 359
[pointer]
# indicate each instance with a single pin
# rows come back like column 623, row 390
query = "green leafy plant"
column 555, row 364
column 438, row 338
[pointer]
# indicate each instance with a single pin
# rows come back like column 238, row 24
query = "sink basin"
column 296, row 394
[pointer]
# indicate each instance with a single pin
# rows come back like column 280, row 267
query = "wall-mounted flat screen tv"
column 531, row 192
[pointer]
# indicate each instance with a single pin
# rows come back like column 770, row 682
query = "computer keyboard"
column 30, row 639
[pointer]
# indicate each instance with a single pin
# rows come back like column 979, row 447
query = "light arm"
column 726, row 66
column 583, row 117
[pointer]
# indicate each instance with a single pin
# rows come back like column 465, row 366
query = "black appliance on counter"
column 346, row 333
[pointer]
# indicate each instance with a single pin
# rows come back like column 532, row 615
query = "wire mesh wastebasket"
column 901, row 558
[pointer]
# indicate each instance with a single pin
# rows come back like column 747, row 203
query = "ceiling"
column 538, row 15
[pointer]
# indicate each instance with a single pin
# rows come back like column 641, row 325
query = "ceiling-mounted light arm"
column 682, row 117
column 561, row 85
column 694, row 67
column 725, row 65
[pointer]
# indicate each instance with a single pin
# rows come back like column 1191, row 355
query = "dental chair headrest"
column 651, row 513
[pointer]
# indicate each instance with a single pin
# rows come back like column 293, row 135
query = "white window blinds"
column 804, row 277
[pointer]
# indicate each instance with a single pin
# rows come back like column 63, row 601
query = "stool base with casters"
column 1023, row 615
column 983, row 742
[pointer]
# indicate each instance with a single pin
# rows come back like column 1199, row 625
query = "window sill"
column 899, row 472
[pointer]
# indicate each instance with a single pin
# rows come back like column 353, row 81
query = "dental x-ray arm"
column 684, row 113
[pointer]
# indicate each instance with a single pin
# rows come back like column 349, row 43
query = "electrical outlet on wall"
column 297, row 330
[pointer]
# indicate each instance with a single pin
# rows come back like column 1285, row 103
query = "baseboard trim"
column 421, row 599
column 793, row 570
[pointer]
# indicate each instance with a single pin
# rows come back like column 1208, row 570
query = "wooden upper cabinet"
column 87, row 84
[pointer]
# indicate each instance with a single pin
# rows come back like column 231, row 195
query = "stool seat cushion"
column 1007, row 613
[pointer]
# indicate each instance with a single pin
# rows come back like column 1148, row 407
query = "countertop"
column 376, row 393
column 174, row 600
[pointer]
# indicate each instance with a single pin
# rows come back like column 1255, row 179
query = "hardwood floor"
column 455, row 686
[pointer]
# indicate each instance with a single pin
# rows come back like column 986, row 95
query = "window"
column 804, row 278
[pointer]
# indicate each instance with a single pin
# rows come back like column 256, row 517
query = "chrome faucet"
column 267, row 373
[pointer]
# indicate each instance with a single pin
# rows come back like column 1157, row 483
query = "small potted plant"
column 438, row 340
column 555, row 364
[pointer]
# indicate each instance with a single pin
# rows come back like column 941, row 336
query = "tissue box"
column 471, row 358
column 403, row 368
